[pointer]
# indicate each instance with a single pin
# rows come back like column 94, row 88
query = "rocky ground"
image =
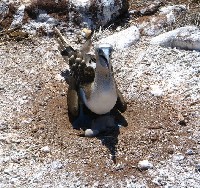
column 39, row 148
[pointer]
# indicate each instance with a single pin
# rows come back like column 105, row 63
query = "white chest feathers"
column 102, row 99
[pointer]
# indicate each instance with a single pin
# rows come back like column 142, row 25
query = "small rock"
column 18, row 17
column 5, row 139
column 91, row 132
column 13, row 180
column 56, row 165
column 24, row 97
column 15, row 159
column 190, row 152
column 119, row 166
column 181, row 120
column 144, row 165
column 170, row 150
column 123, row 39
column 45, row 149
column 159, row 181
column 38, row 127
column 27, row 121
column 151, row 9
column 16, row 140
column 156, row 91
column 7, row 171
column 187, row 38
column 172, row 8
column 178, row 157
column 134, row 12
column 6, row 159
column 118, row 29
column 3, row 126
column 197, row 168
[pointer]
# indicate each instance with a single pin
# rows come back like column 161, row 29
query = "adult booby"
column 94, row 88
column 101, row 94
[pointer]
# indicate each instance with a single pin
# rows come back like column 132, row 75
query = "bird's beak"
column 103, row 53
column 104, row 58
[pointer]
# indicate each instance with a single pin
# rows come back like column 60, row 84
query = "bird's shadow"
column 110, row 138
column 110, row 141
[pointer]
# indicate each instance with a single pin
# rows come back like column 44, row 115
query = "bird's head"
column 103, row 55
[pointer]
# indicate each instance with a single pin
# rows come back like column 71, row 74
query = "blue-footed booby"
column 101, row 96
column 94, row 88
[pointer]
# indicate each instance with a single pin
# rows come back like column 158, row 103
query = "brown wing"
column 80, row 73
column 72, row 98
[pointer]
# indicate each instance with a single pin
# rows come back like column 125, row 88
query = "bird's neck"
column 103, row 80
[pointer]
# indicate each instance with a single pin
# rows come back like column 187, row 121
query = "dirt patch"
column 34, row 110
column 152, row 133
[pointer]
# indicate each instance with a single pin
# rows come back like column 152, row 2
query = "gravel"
column 39, row 148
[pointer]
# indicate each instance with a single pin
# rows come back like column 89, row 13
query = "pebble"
column 178, row 157
column 38, row 127
column 6, row 159
column 3, row 126
column 119, row 166
column 156, row 91
column 16, row 140
column 197, row 168
column 145, row 165
column 15, row 159
column 27, row 121
column 5, row 139
column 25, row 97
column 56, row 165
column 25, row 170
column 123, row 39
column 45, row 149
column 157, row 181
column 7, row 171
column 13, row 180
column 190, row 152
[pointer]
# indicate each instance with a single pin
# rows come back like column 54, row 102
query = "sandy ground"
column 39, row 147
